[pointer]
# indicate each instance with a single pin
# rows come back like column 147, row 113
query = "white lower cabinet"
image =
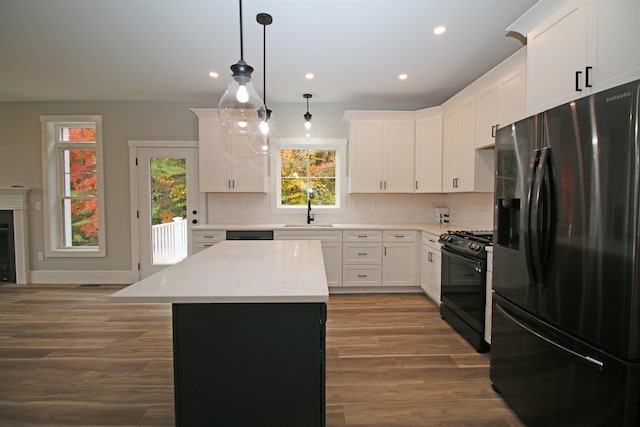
column 431, row 267
column 203, row 239
column 331, row 242
column 489, row 298
column 399, row 258
column 362, row 258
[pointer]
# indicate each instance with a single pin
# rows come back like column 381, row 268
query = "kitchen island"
column 248, row 332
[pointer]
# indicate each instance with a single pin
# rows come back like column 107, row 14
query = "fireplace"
column 14, row 261
column 7, row 248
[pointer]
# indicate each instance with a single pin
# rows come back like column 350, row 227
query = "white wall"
column 21, row 164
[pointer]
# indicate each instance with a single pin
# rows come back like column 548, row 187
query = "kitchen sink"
column 309, row 225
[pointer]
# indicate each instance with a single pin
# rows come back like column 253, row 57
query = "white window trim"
column 340, row 145
column 50, row 174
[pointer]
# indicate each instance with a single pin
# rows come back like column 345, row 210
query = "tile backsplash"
column 473, row 210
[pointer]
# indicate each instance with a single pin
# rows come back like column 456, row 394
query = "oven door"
column 464, row 287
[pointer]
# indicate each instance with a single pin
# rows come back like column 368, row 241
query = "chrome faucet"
column 310, row 216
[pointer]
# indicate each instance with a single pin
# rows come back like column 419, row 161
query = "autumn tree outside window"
column 302, row 166
column 74, row 202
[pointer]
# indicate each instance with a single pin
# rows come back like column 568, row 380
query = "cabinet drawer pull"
column 362, row 276
column 399, row 236
column 587, row 76
column 578, row 74
column 208, row 245
column 362, row 253
column 207, row 237
column 362, row 237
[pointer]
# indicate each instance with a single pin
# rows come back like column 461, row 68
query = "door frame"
column 134, row 145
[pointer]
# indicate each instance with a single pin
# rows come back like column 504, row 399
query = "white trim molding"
column 15, row 199
column 79, row 277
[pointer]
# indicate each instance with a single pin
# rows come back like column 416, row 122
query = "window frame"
column 53, row 184
column 340, row 145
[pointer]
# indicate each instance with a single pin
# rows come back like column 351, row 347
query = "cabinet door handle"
column 233, row 182
column 416, row 185
column 494, row 130
column 385, row 251
column 381, row 185
column 430, row 257
column 578, row 74
column 587, row 76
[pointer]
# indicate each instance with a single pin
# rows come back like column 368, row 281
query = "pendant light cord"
column 241, row 44
column 264, row 64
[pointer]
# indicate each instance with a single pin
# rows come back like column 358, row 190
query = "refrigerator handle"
column 594, row 363
column 546, row 220
column 538, row 216
column 532, row 233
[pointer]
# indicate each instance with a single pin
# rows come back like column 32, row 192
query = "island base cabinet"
column 249, row 364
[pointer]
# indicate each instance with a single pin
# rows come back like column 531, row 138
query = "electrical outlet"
column 40, row 256
column 38, row 206
column 441, row 215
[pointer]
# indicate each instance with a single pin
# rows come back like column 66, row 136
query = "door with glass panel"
column 167, row 204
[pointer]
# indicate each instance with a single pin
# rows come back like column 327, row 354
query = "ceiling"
column 163, row 50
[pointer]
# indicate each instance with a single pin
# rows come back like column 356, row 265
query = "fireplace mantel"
column 15, row 199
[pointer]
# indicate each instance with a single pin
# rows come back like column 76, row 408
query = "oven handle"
column 474, row 262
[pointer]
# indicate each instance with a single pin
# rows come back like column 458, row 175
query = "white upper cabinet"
column 381, row 152
column 226, row 163
column 501, row 98
column 458, row 147
column 582, row 47
column 428, row 151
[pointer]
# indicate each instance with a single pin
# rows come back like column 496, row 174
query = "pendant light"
column 240, row 109
column 308, row 127
column 266, row 141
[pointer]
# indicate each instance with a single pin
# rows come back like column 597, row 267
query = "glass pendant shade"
column 266, row 141
column 308, row 129
column 241, row 109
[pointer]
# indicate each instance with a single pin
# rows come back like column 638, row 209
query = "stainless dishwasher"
column 249, row 234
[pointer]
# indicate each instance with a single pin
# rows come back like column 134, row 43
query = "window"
column 304, row 166
column 73, row 186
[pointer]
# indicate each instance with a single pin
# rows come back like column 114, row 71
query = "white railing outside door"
column 169, row 242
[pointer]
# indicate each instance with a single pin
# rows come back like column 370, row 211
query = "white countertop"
column 430, row 228
column 238, row 272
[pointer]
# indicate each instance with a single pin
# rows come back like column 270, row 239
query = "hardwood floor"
column 68, row 357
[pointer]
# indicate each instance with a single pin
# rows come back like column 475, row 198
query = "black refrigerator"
column 565, row 347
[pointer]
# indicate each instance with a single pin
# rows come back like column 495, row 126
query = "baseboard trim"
column 79, row 277
column 375, row 290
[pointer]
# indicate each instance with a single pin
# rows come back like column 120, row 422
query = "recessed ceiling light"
column 402, row 77
column 439, row 30
column 309, row 76
column 213, row 74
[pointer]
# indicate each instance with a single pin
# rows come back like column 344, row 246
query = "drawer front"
column 361, row 275
column 430, row 240
column 361, row 253
column 208, row 235
column 323, row 236
column 362, row 236
column 200, row 246
column 399, row 236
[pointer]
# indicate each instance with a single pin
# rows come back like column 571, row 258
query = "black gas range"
column 464, row 282
column 472, row 243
